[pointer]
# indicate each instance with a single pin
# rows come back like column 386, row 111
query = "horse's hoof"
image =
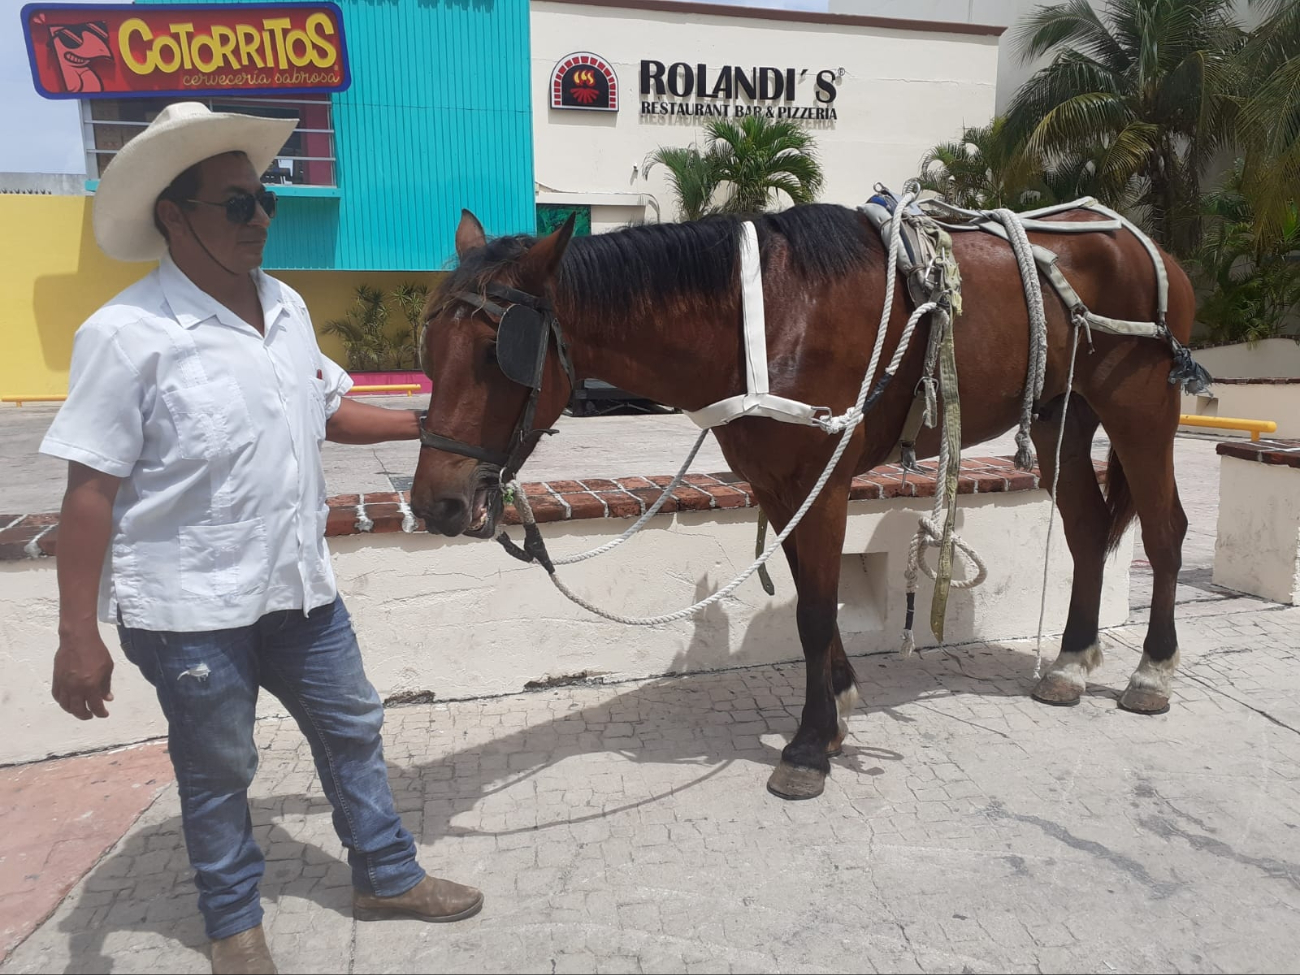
column 836, row 747
column 1144, row 700
column 1057, row 690
column 789, row 782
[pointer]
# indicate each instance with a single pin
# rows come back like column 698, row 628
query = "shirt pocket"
column 211, row 419
column 224, row 560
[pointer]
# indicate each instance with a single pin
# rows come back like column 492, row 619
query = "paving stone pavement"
column 626, row 828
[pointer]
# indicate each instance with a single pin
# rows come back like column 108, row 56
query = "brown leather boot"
column 429, row 900
column 245, row 953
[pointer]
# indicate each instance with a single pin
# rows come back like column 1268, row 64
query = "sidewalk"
column 626, row 827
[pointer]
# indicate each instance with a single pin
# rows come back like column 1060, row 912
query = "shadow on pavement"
column 708, row 720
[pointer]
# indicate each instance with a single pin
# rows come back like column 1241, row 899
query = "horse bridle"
column 525, row 325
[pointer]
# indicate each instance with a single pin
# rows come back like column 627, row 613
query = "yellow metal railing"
column 1253, row 427
column 20, row 400
column 410, row 389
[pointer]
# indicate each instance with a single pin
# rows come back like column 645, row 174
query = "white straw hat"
column 182, row 135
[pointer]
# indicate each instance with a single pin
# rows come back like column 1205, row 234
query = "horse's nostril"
column 446, row 515
column 446, row 509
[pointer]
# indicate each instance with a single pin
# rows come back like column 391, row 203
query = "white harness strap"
column 757, row 400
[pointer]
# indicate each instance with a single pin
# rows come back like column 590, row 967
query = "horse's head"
column 491, row 347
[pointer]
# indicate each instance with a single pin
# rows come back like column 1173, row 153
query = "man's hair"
column 183, row 187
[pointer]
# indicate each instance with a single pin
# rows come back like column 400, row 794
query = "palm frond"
column 693, row 176
column 1074, row 22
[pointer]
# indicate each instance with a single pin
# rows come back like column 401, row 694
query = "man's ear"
column 539, row 264
column 172, row 218
column 469, row 235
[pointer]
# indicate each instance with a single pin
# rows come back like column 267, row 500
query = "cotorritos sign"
column 111, row 51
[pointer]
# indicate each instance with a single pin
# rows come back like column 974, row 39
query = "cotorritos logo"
column 76, row 48
column 586, row 81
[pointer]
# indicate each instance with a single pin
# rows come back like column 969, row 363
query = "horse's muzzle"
column 474, row 517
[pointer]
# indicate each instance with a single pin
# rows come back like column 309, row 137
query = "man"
column 194, row 519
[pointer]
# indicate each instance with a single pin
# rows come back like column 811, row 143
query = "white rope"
column 842, row 425
column 1056, row 480
column 649, row 513
column 1024, row 253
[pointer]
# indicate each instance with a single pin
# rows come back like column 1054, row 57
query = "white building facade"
column 613, row 81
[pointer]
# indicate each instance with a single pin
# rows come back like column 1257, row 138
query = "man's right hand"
column 83, row 674
column 83, row 668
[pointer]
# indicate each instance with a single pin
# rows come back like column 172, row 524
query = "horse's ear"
column 544, row 256
column 469, row 235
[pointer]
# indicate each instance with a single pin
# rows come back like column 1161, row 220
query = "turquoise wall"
column 437, row 119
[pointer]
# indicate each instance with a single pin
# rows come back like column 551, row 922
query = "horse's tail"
column 1119, row 499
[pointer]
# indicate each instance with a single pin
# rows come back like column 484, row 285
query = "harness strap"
column 1162, row 275
column 1047, row 262
column 951, row 471
column 433, row 441
column 906, row 453
column 757, row 400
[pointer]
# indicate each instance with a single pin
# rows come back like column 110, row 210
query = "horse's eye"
column 491, row 357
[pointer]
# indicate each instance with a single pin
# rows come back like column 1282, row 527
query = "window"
column 306, row 160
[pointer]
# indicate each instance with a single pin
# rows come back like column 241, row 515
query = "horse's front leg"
column 818, row 540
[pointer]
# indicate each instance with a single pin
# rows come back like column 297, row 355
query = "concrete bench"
column 457, row 618
column 1257, row 547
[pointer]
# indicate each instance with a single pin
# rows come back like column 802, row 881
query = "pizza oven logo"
column 586, row 81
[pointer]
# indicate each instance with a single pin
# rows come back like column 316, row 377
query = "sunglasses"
column 74, row 35
column 241, row 207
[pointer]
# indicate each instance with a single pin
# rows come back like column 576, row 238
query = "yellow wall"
column 329, row 293
column 53, row 276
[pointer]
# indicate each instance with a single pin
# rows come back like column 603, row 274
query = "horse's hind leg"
column 1143, row 440
column 1086, row 520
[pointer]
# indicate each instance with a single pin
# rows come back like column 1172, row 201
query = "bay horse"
column 656, row 310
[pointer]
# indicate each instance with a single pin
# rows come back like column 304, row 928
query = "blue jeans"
column 207, row 684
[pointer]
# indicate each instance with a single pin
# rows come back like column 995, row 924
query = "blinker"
column 521, row 345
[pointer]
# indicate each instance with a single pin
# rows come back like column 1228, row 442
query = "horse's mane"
column 620, row 273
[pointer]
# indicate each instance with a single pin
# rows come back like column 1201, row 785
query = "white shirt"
column 216, row 431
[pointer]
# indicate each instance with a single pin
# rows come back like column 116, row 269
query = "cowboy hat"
column 182, row 135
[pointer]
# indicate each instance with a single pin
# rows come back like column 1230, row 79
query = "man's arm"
column 83, row 667
column 362, row 423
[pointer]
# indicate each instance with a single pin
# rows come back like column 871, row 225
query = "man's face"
column 237, row 246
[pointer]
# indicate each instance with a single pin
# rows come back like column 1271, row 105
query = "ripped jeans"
column 207, row 684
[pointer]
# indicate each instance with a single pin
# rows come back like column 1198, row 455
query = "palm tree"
column 982, row 170
column 1086, row 173
column 1148, row 84
column 364, row 331
column 760, row 159
column 1254, row 286
column 753, row 160
column 1268, row 126
column 410, row 299
column 692, row 176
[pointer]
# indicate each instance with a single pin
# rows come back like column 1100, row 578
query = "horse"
column 657, row 310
